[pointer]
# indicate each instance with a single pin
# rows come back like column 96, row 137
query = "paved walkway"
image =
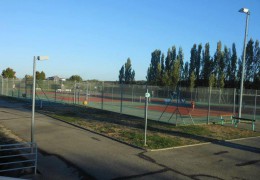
column 72, row 153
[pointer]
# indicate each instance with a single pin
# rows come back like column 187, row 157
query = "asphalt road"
column 73, row 153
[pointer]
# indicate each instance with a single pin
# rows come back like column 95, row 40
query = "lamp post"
column 33, row 97
column 247, row 12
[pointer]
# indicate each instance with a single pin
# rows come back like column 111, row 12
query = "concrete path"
column 73, row 153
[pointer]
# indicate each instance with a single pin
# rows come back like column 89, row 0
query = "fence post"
column 121, row 105
column 209, row 105
column 89, row 91
column 19, row 88
column 74, row 94
column 196, row 95
column 191, row 94
column 55, row 89
column 112, row 93
column 234, row 105
column 255, row 104
column 2, row 89
column 31, row 91
column 7, row 88
column 145, row 116
column 219, row 98
column 13, row 88
column 132, row 93
column 102, row 100
column 79, row 92
column 86, row 97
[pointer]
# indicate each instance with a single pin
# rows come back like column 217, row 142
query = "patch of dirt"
column 7, row 136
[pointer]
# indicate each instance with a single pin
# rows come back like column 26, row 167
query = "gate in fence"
column 20, row 156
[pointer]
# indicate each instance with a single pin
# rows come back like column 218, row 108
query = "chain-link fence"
column 179, row 105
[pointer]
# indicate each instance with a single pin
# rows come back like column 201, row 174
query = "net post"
column 209, row 97
column 121, row 99
column 255, row 105
column 234, row 104
column 102, row 100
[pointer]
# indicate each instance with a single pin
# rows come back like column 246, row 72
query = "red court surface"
column 198, row 112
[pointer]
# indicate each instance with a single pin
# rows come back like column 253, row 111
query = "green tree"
column 133, row 76
column 176, row 73
column 159, row 74
column 207, row 68
column 180, row 57
column 192, row 81
column 239, row 72
column 212, row 80
column 233, row 65
column 168, row 68
column 218, row 63
column 257, row 65
column 168, row 61
column 126, row 74
column 227, row 62
column 186, row 71
column 129, row 73
column 40, row 75
column 76, row 78
column 8, row 73
column 173, row 55
column 121, row 75
column 222, row 81
column 249, row 61
column 193, row 57
column 198, row 62
column 166, row 81
column 162, row 65
column 153, row 72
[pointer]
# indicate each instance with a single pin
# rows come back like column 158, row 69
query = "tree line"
column 222, row 70
column 10, row 73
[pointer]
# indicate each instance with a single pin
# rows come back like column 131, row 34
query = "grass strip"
column 159, row 135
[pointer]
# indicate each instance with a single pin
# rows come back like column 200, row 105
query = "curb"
column 200, row 144
column 242, row 138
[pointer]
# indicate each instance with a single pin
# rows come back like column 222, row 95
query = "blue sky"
column 94, row 38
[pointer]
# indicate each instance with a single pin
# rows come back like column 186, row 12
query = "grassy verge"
column 159, row 135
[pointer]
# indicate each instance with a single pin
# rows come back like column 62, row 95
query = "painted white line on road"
column 178, row 147
column 242, row 139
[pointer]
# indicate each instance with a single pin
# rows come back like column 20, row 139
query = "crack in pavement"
column 221, row 152
column 248, row 163
column 95, row 139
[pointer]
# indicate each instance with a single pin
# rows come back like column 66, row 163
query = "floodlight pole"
column 243, row 61
column 33, row 95
column 33, row 99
